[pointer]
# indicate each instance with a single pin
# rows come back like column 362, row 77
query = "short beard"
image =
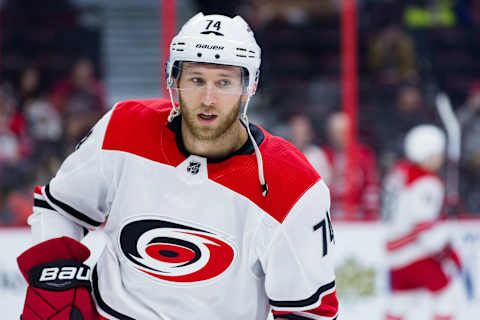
column 208, row 134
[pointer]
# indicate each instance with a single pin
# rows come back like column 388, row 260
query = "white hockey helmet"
column 222, row 40
column 216, row 39
column 424, row 141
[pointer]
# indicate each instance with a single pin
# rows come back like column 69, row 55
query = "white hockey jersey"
column 413, row 199
column 193, row 238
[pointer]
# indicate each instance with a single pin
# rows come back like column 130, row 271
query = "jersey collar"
column 176, row 125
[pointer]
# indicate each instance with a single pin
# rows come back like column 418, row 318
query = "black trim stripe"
column 294, row 317
column 42, row 204
column 101, row 303
column 72, row 211
column 305, row 302
column 290, row 317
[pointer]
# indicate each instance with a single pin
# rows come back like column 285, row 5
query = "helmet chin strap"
column 258, row 154
column 175, row 110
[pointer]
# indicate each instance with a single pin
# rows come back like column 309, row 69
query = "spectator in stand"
column 392, row 57
column 29, row 133
column 27, row 88
column 469, row 117
column 408, row 112
column 287, row 27
column 301, row 134
column 294, row 11
column 45, row 127
column 9, row 146
column 364, row 175
column 9, row 150
column 80, row 101
column 40, row 122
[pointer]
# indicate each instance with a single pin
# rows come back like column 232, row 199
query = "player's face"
column 435, row 162
column 210, row 98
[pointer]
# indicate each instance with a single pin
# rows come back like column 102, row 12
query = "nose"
column 209, row 96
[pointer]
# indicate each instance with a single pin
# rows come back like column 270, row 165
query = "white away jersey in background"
column 191, row 238
column 413, row 202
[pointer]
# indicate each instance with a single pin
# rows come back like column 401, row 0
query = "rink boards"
column 360, row 267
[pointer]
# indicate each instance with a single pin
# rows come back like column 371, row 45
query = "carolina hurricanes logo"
column 174, row 252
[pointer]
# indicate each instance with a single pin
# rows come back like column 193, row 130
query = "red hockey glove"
column 453, row 256
column 59, row 283
column 449, row 254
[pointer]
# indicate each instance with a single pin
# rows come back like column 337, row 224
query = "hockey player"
column 209, row 216
column 418, row 247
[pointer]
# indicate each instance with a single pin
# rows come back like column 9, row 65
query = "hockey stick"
column 453, row 129
column 452, row 126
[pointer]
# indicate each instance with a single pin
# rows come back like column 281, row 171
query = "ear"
column 244, row 98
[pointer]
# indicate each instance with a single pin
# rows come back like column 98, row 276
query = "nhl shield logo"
column 194, row 167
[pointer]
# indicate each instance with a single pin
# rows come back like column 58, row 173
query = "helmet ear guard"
column 245, row 77
column 173, row 73
column 177, row 69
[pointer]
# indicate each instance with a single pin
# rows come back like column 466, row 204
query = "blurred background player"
column 418, row 246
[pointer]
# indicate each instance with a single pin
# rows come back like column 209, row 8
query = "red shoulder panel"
column 140, row 127
column 287, row 172
column 414, row 172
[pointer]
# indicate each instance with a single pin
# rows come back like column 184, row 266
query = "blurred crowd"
column 38, row 129
column 407, row 52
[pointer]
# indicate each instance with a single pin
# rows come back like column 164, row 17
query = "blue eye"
column 223, row 83
column 197, row 80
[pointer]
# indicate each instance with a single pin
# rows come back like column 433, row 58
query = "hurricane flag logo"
column 175, row 252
